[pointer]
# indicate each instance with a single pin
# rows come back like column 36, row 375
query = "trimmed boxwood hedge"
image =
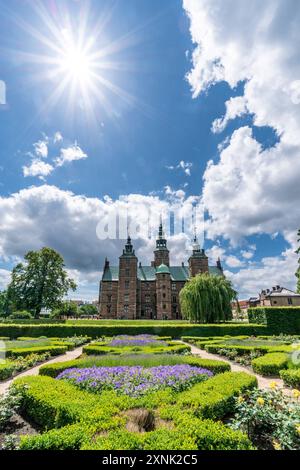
column 270, row 364
column 102, row 348
column 88, row 421
column 95, row 331
column 277, row 319
column 291, row 377
column 6, row 370
column 23, row 352
column 54, row 369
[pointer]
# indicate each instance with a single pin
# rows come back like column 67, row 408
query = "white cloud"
column 251, row 190
column 233, row 262
column 182, row 165
column 41, row 148
column 235, row 107
column 179, row 193
column 70, row 154
column 57, row 137
column 4, row 278
column 48, row 216
column 271, row 271
column 37, row 168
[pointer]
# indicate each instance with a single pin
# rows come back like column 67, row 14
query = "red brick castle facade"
column 132, row 291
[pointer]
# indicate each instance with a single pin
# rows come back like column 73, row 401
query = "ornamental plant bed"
column 140, row 344
column 148, row 360
column 177, row 414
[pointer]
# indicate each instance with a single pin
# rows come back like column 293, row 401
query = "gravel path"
column 263, row 382
column 68, row 356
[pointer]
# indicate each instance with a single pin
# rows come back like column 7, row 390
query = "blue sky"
column 62, row 162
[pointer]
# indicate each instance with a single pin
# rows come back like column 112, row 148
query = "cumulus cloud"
column 37, row 168
column 235, row 107
column 271, row 271
column 69, row 223
column 70, row 154
column 251, row 190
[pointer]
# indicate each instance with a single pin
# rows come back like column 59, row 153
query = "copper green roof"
column 163, row 269
column 147, row 273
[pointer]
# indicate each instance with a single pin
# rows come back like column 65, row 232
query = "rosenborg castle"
column 133, row 291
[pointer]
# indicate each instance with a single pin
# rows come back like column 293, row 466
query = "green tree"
column 298, row 271
column 5, row 304
column 66, row 309
column 88, row 309
column 41, row 282
column 207, row 299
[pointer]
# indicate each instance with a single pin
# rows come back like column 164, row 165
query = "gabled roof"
column 148, row 273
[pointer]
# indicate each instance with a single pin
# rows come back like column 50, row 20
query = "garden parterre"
column 145, row 344
column 268, row 355
column 24, row 352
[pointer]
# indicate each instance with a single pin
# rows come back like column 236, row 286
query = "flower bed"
column 147, row 360
column 76, row 419
column 135, row 380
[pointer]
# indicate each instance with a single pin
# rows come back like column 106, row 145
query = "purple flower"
column 136, row 380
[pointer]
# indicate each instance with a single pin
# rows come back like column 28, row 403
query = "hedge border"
column 95, row 331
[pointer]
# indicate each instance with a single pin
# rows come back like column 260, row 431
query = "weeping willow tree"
column 207, row 299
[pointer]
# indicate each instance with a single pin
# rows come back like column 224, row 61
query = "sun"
column 79, row 62
column 75, row 61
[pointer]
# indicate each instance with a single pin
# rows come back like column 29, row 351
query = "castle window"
column 164, row 306
column 163, row 286
column 147, row 298
column 173, row 286
column 174, row 309
column 174, row 299
column 126, row 285
column 164, row 295
column 127, row 272
column 163, row 276
column 126, row 307
column 108, row 308
column 126, row 298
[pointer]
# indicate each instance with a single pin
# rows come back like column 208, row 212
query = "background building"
column 133, row 291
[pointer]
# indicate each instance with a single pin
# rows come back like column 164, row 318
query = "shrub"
column 270, row 364
column 99, row 350
column 6, row 370
column 55, row 403
column 88, row 421
column 214, row 399
column 96, row 330
column 270, row 418
column 23, row 352
column 291, row 377
column 21, row 315
column 277, row 319
column 53, row 370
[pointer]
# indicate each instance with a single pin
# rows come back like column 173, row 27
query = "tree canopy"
column 40, row 282
column 207, row 299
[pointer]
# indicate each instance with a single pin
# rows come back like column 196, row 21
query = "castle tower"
column 198, row 261
column 161, row 253
column 163, row 293
column 127, row 288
